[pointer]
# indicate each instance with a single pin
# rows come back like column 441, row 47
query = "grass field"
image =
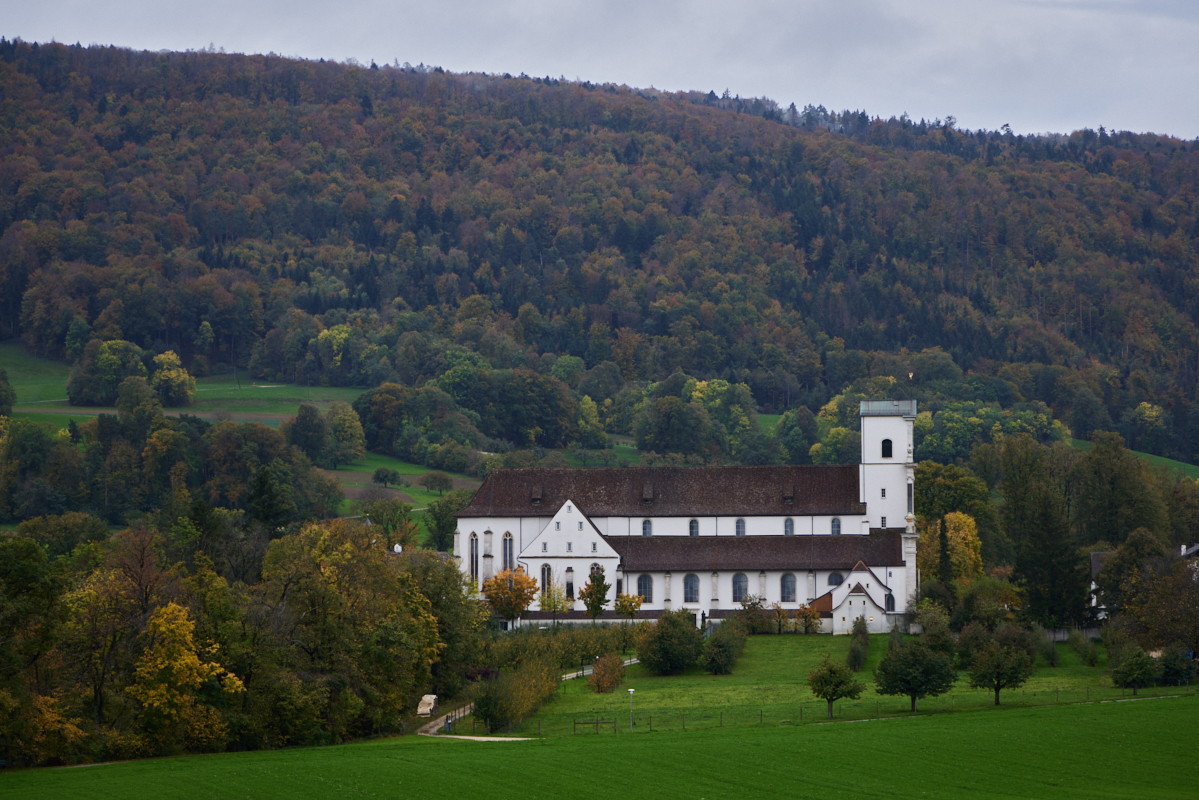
column 1097, row 750
column 35, row 380
column 1190, row 470
column 769, row 686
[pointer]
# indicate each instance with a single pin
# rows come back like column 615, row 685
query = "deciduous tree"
column 510, row 593
column 995, row 668
column 916, row 671
column 832, row 681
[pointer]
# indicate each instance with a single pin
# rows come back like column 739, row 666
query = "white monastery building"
column 838, row 538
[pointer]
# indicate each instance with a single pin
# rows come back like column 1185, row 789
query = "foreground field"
column 1099, row 750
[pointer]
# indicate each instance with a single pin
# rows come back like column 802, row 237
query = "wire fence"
column 611, row 717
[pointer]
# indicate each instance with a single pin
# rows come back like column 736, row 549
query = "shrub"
column 1116, row 639
column 1046, row 647
column 974, row 637
column 1177, row 668
column 607, row 673
column 1137, row 669
column 512, row 697
column 723, row 648
column 1085, row 648
column 859, row 651
column 672, row 645
column 753, row 615
column 895, row 641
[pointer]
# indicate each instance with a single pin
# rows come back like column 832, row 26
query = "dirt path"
column 253, row 416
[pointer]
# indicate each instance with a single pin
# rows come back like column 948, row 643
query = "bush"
column 1137, row 669
column 895, row 641
column 1177, row 668
column 723, row 648
column 607, row 673
column 974, row 637
column 753, row 616
column 1116, row 639
column 859, row 651
column 1046, row 647
column 672, row 645
column 1085, row 648
column 568, row 646
column 512, row 697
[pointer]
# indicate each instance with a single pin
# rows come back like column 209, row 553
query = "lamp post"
column 631, row 709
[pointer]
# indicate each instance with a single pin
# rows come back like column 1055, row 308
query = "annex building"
column 839, row 538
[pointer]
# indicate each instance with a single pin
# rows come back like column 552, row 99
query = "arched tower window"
column 886, row 448
column 890, row 603
column 787, row 588
column 547, row 576
column 645, row 588
column 693, row 527
column 647, row 528
column 740, row 527
column 691, row 589
column 788, row 527
column 740, row 587
column 836, row 526
column 474, row 557
column 509, row 554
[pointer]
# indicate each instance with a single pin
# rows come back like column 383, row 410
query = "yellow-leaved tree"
column 168, row 680
column 965, row 548
column 171, row 381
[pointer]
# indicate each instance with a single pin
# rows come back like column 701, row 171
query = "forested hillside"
column 350, row 225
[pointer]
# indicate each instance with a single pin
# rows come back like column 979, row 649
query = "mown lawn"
column 768, row 686
column 1097, row 750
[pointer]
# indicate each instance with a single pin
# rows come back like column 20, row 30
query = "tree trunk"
column 830, row 709
column 913, row 705
column 1134, row 690
column 996, row 697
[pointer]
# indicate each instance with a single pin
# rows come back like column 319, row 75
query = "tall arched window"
column 547, row 576
column 740, row 587
column 890, row 603
column 787, row 588
column 693, row 527
column 691, row 589
column 789, row 527
column 509, row 555
column 836, row 526
column 570, row 582
column 886, row 448
column 647, row 528
column 740, row 527
column 835, row 579
column 474, row 557
column 596, row 569
column 645, row 588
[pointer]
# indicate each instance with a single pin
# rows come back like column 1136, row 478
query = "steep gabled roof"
column 671, row 491
column 882, row 548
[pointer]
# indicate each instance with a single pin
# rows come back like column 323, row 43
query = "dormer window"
column 788, row 495
column 647, row 494
column 535, row 495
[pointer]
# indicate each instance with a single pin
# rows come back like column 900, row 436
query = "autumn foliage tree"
column 510, row 592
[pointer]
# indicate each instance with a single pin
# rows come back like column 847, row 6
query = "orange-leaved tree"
column 510, row 593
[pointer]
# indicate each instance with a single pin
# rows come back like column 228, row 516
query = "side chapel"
column 838, row 538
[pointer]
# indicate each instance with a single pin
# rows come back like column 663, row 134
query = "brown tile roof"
column 670, row 491
column 882, row 548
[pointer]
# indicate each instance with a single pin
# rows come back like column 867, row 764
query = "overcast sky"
column 1039, row 65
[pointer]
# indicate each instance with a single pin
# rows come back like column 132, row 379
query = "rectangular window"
column 570, row 589
column 884, row 522
column 593, row 547
column 569, row 546
column 884, row 492
column 909, row 498
column 619, row 586
column 557, row 526
column 580, row 525
column 545, row 546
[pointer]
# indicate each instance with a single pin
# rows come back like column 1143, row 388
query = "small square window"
column 569, row 546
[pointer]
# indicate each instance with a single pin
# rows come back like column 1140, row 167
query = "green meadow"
column 768, row 686
column 1095, row 750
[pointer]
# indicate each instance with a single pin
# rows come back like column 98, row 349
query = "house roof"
column 671, row 491
column 882, row 548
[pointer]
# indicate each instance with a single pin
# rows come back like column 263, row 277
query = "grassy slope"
column 769, row 683
column 35, row 380
column 1190, row 470
column 1093, row 751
